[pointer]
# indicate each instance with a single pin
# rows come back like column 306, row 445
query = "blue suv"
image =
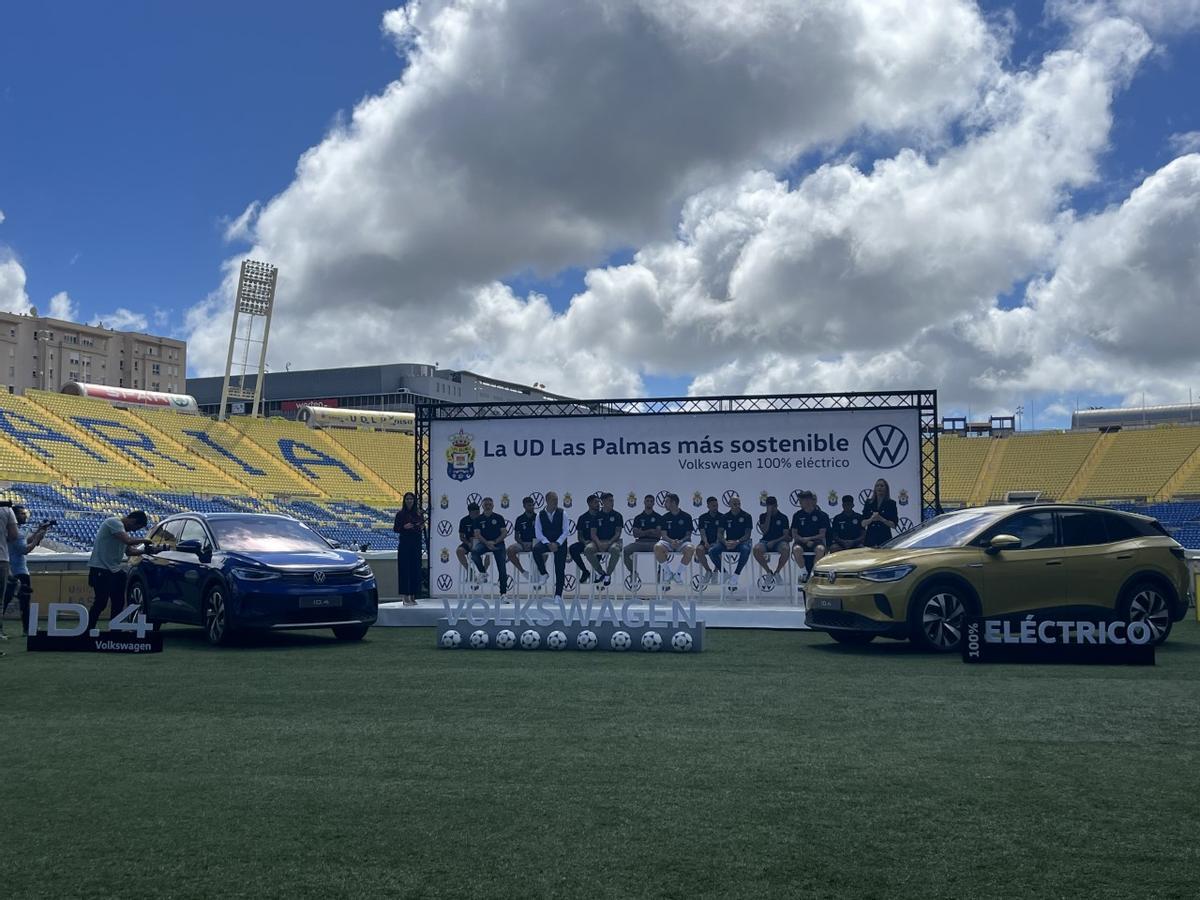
column 232, row 572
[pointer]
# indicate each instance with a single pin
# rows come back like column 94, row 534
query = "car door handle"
column 1054, row 562
column 1124, row 556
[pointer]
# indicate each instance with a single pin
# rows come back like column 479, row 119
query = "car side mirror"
column 1003, row 542
column 203, row 552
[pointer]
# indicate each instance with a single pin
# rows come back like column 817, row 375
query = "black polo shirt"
column 774, row 529
column 710, row 525
column 809, row 524
column 608, row 524
column 491, row 527
column 523, row 528
column 737, row 527
column 583, row 527
column 466, row 528
column 677, row 525
column 647, row 520
column 847, row 526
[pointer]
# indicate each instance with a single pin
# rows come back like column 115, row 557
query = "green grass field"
column 772, row 765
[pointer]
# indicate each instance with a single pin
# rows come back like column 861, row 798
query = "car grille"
column 835, row 618
column 331, row 579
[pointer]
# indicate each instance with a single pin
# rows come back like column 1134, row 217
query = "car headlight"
column 886, row 573
column 254, row 575
column 363, row 571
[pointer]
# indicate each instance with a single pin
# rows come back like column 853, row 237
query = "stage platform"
column 753, row 612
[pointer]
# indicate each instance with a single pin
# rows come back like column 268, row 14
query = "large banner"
column 750, row 455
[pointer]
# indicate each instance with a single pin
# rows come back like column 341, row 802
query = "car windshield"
column 948, row 530
column 265, row 536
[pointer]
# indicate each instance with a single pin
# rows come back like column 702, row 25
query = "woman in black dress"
column 409, row 522
column 880, row 516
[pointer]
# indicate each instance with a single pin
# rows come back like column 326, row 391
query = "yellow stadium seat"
column 389, row 454
column 1044, row 461
column 959, row 462
column 1140, row 462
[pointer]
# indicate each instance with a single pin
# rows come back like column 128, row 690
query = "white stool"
column 686, row 588
column 532, row 587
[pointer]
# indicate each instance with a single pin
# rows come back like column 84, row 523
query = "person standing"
column 606, row 538
column 550, row 531
column 8, row 521
column 880, row 515
column 647, row 529
column 106, row 567
column 19, row 583
column 409, row 525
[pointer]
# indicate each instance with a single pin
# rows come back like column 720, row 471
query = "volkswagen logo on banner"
column 319, row 577
column 865, row 494
column 905, row 524
column 445, row 528
column 661, row 497
column 474, row 498
column 727, row 496
column 538, row 500
column 794, row 496
column 445, row 582
column 885, row 446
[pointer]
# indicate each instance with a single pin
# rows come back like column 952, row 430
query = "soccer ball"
column 651, row 641
column 681, row 642
column 556, row 640
column 621, row 640
column 505, row 639
column 530, row 640
column 451, row 639
column 586, row 640
column 478, row 640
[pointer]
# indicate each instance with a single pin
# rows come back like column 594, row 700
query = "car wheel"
column 937, row 618
column 137, row 597
column 216, row 618
column 1145, row 601
column 350, row 632
column 852, row 637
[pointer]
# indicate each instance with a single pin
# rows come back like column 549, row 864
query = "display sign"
column 543, row 624
column 748, row 455
column 128, row 631
column 293, row 405
column 331, row 417
column 1049, row 640
column 130, row 397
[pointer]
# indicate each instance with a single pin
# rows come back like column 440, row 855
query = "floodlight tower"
column 255, row 301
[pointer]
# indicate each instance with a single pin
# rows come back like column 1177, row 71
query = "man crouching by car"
column 106, row 568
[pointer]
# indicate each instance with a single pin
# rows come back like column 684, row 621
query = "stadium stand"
column 1140, row 462
column 318, row 458
column 387, row 453
column 960, row 461
column 1044, row 462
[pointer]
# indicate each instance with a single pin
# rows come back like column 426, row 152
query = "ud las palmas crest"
column 460, row 457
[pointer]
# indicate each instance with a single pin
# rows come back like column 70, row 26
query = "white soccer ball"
column 530, row 640
column 586, row 640
column 478, row 639
column 651, row 641
column 556, row 640
column 505, row 639
column 681, row 642
column 620, row 640
column 451, row 639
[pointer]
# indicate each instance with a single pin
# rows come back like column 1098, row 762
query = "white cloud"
column 63, row 307
column 512, row 145
column 121, row 319
column 1, row 217
column 12, row 284
column 240, row 229
column 1183, row 142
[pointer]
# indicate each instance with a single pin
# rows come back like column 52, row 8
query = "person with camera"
column 8, row 523
column 106, row 567
column 19, row 583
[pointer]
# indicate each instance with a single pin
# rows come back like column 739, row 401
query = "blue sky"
column 132, row 132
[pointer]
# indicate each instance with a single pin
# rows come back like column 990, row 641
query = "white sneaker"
column 679, row 576
column 733, row 582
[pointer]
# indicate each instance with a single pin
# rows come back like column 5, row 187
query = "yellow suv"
column 1077, row 562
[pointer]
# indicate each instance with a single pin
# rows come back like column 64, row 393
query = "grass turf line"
column 772, row 764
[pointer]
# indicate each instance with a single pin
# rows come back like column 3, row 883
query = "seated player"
column 525, row 536
column 773, row 526
column 847, row 530
column 583, row 534
column 646, row 532
column 551, row 529
column 735, row 538
column 606, row 538
column 490, row 531
column 710, row 525
column 810, row 525
column 677, row 527
column 466, row 535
